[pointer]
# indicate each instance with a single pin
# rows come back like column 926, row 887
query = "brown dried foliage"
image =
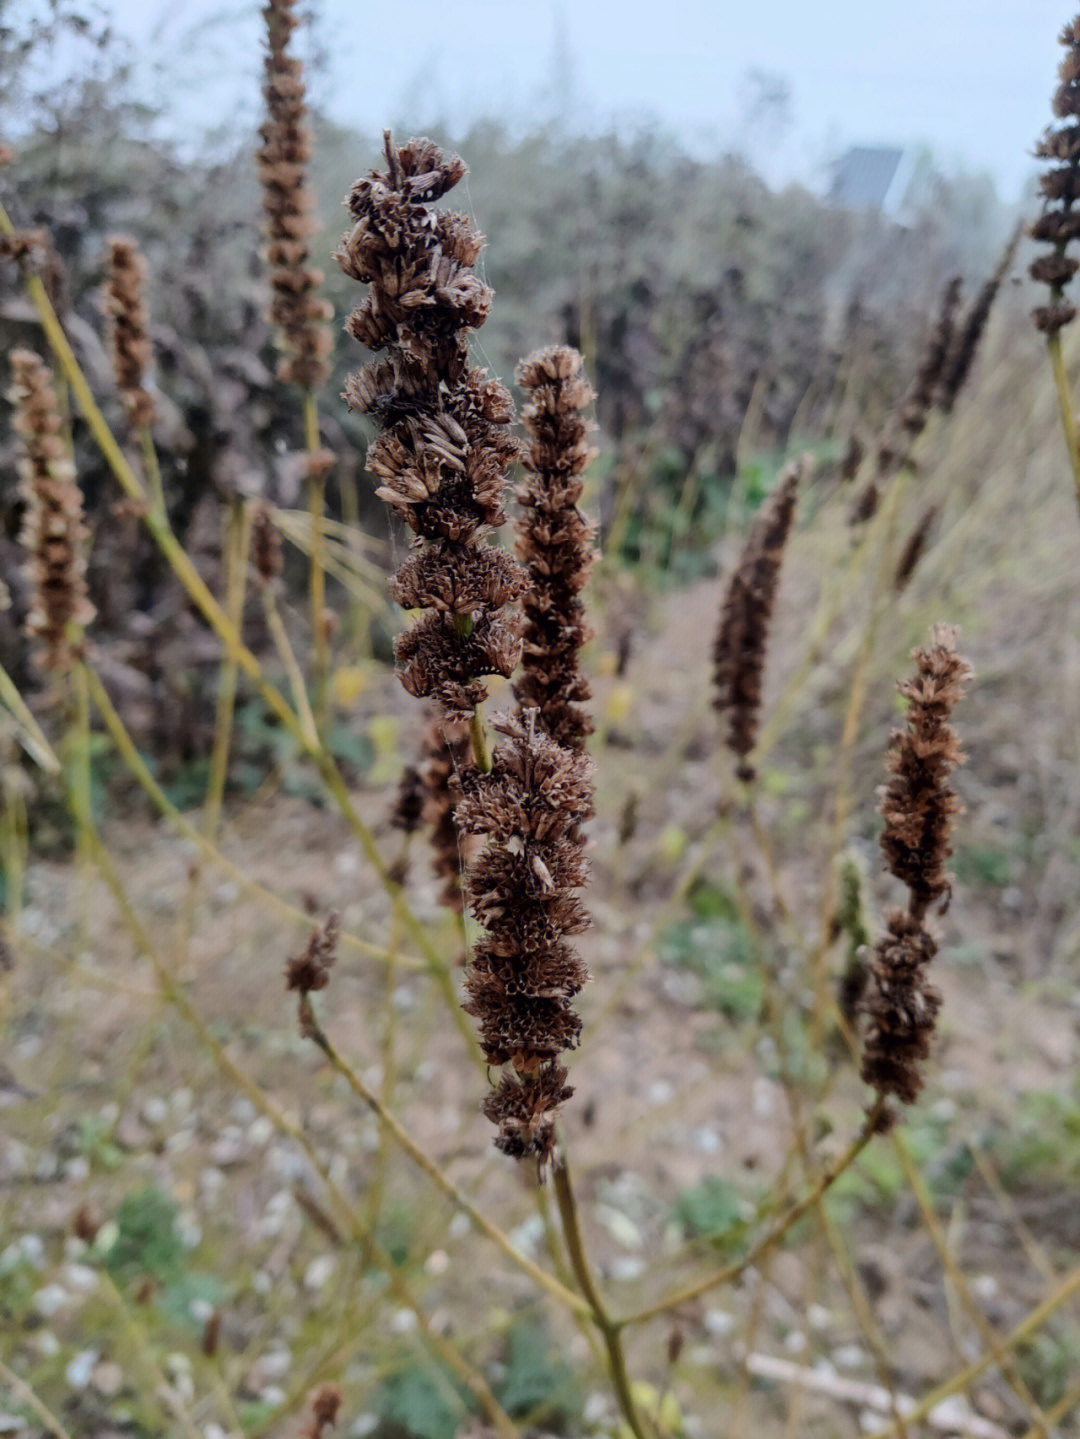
column 266, row 550
column 524, row 971
column 324, row 1407
column 1059, row 223
column 920, row 809
column 555, row 544
column 129, row 328
column 739, row 648
column 915, row 547
column 288, row 204
column 311, row 970
column 53, row 532
column 447, row 754
column 444, row 449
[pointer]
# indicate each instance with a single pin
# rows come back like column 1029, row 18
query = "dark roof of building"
column 862, row 177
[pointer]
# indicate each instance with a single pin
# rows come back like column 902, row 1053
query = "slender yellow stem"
column 152, row 470
column 828, row 1177
column 287, row 655
column 31, row 736
column 481, row 750
column 316, row 504
column 236, row 552
column 137, row 766
column 967, row 1376
column 1065, row 406
column 160, row 1385
column 988, row 1333
column 25, row 1395
column 608, row 1327
column 438, row 1176
column 175, row 994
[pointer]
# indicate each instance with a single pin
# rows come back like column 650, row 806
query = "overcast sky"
column 971, row 79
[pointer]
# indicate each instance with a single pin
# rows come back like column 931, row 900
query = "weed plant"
column 257, row 1049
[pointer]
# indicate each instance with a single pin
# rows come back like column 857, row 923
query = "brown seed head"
column 900, row 1005
column 283, row 159
column 53, row 532
column 1059, row 223
column 444, row 449
column 324, row 1407
column 266, row 551
column 739, row 648
column 129, row 329
column 555, row 544
column 311, row 970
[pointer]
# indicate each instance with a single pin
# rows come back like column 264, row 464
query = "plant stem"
column 1065, row 406
column 316, row 501
column 439, row 1176
column 236, row 552
column 31, row 736
column 608, row 1327
column 478, row 735
column 25, row 1395
column 174, row 993
column 279, row 635
column 828, row 1177
column 137, row 766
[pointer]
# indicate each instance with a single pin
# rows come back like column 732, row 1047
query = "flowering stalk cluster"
column 444, row 448
column 920, row 809
column 739, row 648
column 53, row 531
column 283, row 159
column 1059, row 224
column 521, row 888
column 129, row 328
column 555, row 544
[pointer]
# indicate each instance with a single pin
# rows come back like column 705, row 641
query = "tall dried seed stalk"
column 524, row 971
column 739, row 648
column 920, row 809
column 1059, row 224
column 444, row 449
column 129, row 334
column 53, row 533
column 283, row 159
column 555, row 544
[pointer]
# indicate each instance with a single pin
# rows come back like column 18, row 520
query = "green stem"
column 31, row 735
column 608, row 1327
column 280, row 636
column 1065, row 405
column 153, row 471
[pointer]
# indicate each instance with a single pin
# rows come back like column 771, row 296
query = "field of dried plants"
column 246, row 1184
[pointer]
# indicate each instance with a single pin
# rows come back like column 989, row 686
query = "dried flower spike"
column 444, row 449
column 324, row 1406
column 739, row 648
column 920, row 809
column 129, row 328
column 311, row 970
column 266, row 551
column 1059, row 224
column 53, row 531
column 524, row 971
column 282, row 160
column 555, row 544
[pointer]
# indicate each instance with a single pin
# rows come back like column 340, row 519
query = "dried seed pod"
column 525, row 972
column 555, row 544
column 129, row 328
column 283, row 159
column 739, row 648
column 444, row 449
column 53, row 533
column 900, row 1004
column 1059, row 223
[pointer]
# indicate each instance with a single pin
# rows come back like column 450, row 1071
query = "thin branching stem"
column 316, row 508
column 238, row 540
column 609, row 1328
column 437, row 1175
column 22, row 1392
column 828, row 1177
column 1065, row 406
